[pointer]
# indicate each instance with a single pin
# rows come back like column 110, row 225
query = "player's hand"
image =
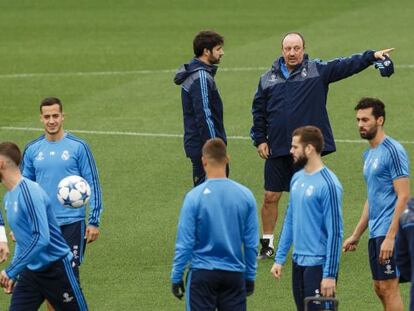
column 350, row 244
column 328, row 287
column 4, row 251
column 249, row 287
column 263, row 150
column 178, row 289
column 381, row 54
column 91, row 234
column 6, row 282
column 386, row 250
column 276, row 270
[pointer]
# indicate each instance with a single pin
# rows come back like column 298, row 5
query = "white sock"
column 270, row 238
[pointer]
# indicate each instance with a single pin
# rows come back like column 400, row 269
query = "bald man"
column 292, row 94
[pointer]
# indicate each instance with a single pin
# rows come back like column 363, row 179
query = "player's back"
column 223, row 209
column 38, row 237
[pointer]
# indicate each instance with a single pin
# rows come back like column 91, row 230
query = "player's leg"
column 389, row 293
column 298, row 285
column 232, row 295
column 277, row 175
column 201, row 290
column 385, row 277
column 26, row 295
column 312, row 278
column 199, row 175
column 74, row 235
column 61, row 288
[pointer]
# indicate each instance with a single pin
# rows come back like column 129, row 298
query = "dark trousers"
column 306, row 282
column 57, row 283
column 74, row 235
column 207, row 290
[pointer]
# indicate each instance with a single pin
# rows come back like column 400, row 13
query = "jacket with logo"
column 281, row 104
column 202, row 106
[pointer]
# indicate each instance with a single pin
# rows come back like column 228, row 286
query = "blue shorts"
column 56, row 283
column 199, row 176
column 385, row 271
column 74, row 235
column 278, row 173
column 306, row 282
column 207, row 290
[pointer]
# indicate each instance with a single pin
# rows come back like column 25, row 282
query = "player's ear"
column 204, row 161
column 380, row 120
column 309, row 148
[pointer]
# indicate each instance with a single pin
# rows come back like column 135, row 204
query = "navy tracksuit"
column 282, row 104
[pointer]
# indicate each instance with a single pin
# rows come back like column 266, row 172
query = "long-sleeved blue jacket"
column 281, row 104
column 313, row 223
column 202, row 106
column 405, row 248
column 218, row 230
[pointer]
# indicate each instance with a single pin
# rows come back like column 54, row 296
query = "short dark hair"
column 49, row 101
column 310, row 135
column 11, row 151
column 293, row 33
column 378, row 107
column 206, row 39
column 215, row 150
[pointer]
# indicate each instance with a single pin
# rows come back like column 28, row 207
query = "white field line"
column 165, row 135
column 134, row 72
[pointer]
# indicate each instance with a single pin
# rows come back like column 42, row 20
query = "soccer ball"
column 73, row 191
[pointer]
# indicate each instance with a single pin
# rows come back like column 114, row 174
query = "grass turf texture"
column 144, row 179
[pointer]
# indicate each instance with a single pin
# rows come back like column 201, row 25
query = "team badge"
column 40, row 156
column 304, row 73
column 309, row 191
column 65, row 155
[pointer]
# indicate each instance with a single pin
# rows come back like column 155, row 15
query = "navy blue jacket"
column 405, row 248
column 202, row 106
column 281, row 105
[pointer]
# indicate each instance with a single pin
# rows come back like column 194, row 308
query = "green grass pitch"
column 112, row 63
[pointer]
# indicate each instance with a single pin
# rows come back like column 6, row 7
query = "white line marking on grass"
column 142, row 134
column 134, row 72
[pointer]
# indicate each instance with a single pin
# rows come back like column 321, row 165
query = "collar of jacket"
column 277, row 70
column 197, row 64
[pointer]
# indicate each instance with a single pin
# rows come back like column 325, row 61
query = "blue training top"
column 313, row 222
column 39, row 240
column 382, row 165
column 48, row 162
column 218, row 229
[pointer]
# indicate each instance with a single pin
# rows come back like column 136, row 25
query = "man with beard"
column 386, row 172
column 313, row 223
column 293, row 93
column 201, row 102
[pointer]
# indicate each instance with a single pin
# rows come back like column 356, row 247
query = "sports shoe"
column 266, row 251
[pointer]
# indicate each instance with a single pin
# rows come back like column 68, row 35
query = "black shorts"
column 56, row 283
column 385, row 271
column 74, row 235
column 210, row 289
column 278, row 173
